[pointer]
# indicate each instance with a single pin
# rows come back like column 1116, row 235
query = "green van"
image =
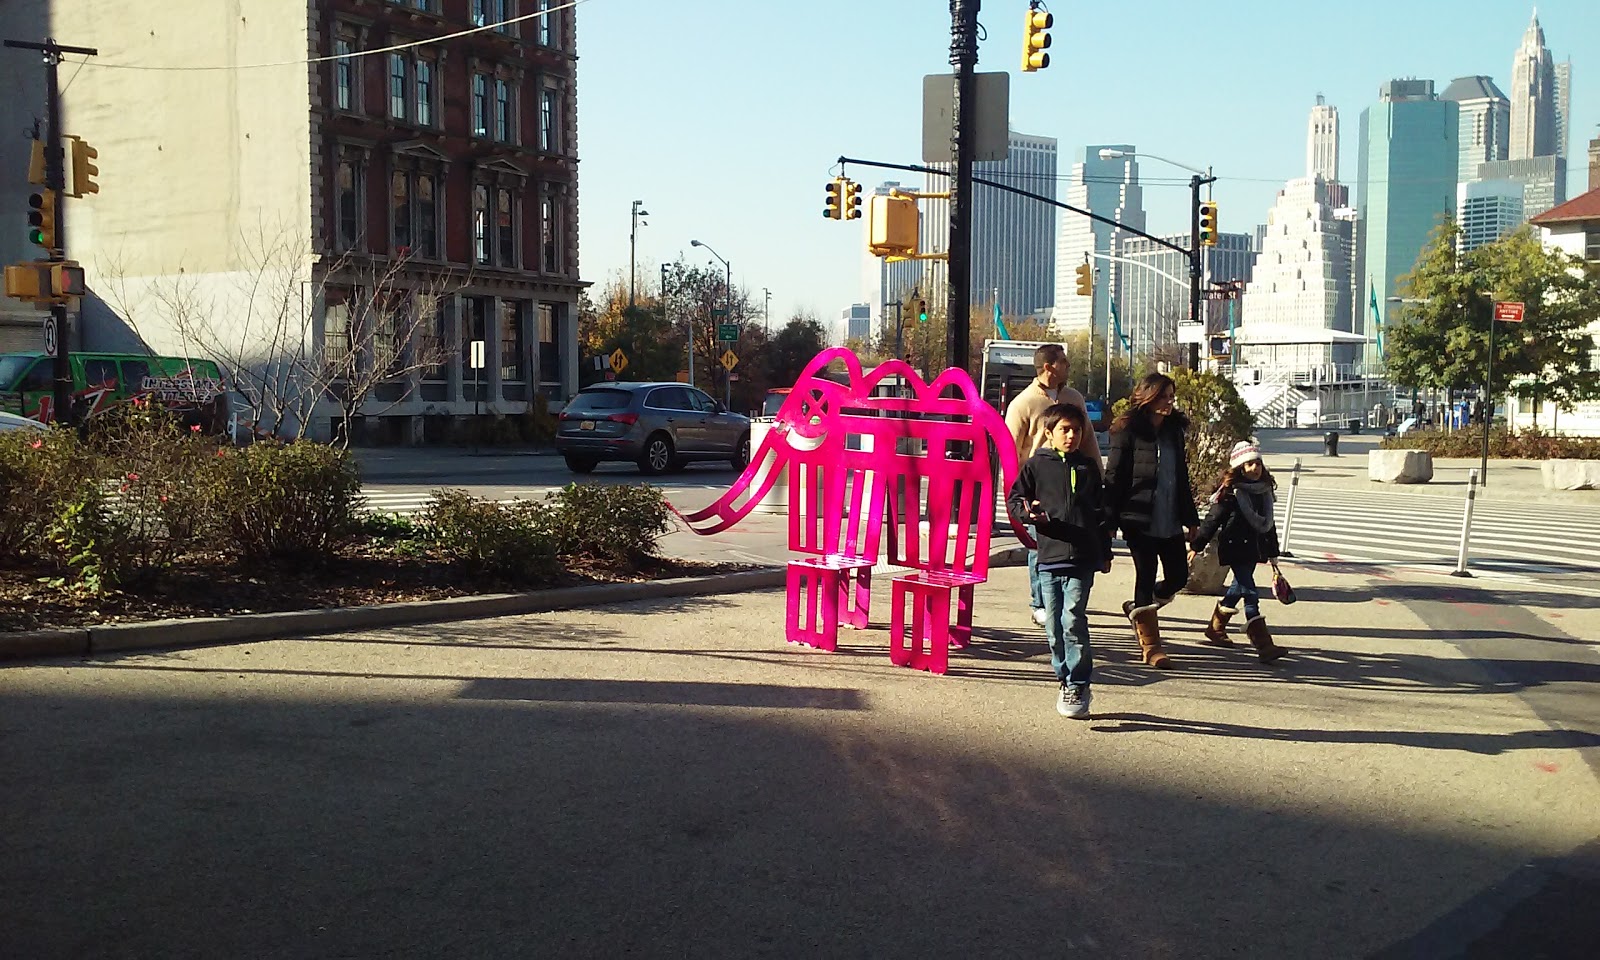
column 192, row 388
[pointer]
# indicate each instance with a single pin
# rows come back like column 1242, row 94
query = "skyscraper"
column 1013, row 237
column 1405, row 183
column 1483, row 131
column 1153, row 291
column 1563, row 108
column 1322, row 141
column 1488, row 210
column 1110, row 188
column 1533, row 97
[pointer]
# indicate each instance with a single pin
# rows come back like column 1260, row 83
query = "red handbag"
column 1280, row 586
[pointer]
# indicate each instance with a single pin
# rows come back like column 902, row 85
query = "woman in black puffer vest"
column 1149, row 496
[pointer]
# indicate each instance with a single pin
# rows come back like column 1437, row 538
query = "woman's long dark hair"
column 1144, row 395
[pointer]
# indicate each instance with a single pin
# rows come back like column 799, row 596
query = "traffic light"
column 1035, row 41
column 922, row 311
column 852, row 200
column 1085, row 280
column 1208, row 224
column 892, row 225
column 835, row 208
column 42, row 219
column 83, row 169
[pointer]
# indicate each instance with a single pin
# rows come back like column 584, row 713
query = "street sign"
column 475, row 360
column 49, row 336
column 730, row 360
column 1508, row 311
column 1191, row 332
column 619, row 360
column 718, row 313
column 728, row 332
column 993, row 111
column 683, row 376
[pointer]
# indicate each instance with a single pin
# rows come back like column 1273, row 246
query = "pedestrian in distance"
column 1025, row 419
column 1150, row 498
column 1247, row 535
column 1058, row 490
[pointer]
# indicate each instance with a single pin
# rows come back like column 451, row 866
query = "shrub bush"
column 1503, row 445
column 509, row 541
column 39, row 471
column 613, row 525
column 538, row 425
column 283, row 500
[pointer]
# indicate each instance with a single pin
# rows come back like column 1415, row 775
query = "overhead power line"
column 307, row 61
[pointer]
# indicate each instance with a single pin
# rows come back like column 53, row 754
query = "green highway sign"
column 728, row 331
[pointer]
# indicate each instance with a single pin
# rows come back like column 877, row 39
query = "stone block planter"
column 1571, row 474
column 1399, row 466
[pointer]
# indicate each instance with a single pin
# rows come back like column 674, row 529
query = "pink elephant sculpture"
column 915, row 469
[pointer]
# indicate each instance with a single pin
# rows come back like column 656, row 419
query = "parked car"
column 659, row 426
column 10, row 421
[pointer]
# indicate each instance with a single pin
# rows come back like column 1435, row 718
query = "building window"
column 480, row 223
column 397, row 86
column 511, row 341
column 480, row 105
column 549, row 350
column 424, row 93
column 547, row 233
column 504, row 10
column 505, row 224
column 427, row 217
column 477, row 324
column 547, row 24
column 336, row 330
column 344, row 76
column 434, row 343
column 503, row 129
column 548, row 141
column 400, row 205
column 1591, row 244
column 347, row 189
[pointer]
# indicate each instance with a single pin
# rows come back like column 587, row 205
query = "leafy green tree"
column 792, row 348
column 1442, row 339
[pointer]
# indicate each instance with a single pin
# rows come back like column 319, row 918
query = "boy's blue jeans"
column 1066, row 624
column 1244, row 588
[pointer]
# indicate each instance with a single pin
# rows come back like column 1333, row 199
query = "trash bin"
column 1355, row 426
column 1330, row 443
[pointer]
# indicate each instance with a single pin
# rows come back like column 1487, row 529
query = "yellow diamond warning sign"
column 619, row 360
column 730, row 360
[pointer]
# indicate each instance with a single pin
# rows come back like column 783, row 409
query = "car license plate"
column 586, row 425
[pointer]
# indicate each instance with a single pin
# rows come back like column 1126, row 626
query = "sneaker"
column 1039, row 616
column 1074, row 701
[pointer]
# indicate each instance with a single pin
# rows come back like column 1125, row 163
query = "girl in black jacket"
column 1241, row 519
column 1149, row 496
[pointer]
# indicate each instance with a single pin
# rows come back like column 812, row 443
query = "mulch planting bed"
column 355, row 577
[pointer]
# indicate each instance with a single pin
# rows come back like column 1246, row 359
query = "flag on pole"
column 1116, row 327
column 1377, row 318
column 999, row 324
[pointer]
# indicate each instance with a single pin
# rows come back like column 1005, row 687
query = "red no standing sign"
column 1508, row 311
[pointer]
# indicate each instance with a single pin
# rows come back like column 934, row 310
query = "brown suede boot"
column 1147, row 627
column 1261, row 638
column 1217, row 632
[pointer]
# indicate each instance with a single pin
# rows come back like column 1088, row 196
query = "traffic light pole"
column 964, row 57
column 55, row 179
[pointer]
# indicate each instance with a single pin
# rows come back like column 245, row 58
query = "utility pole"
column 899, row 351
column 766, row 314
column 633, row 247
column 55, row 176
column 964, row 57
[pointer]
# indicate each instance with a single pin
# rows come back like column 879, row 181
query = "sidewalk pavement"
column 670, row 778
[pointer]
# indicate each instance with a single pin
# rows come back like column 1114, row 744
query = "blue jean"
column 1036, row 594
column 1066, row 624
column 1244, row 588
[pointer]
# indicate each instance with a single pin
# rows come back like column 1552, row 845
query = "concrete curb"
column 159, row 634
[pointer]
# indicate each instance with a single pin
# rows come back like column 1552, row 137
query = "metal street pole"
column 727, row 312
column 1488, row 403
column 964, row 57
column 1194, row 266
column 633, row 244
column 766, row 313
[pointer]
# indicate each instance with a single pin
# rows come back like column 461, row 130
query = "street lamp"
column 633, row 246
column 727, row 316
column 1200, row 179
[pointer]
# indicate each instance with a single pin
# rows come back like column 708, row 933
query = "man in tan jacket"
column 1025, row 419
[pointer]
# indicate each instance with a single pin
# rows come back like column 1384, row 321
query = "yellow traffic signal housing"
column 83, row 169
column 835, row 202
column 26, row 281
column 1085, row 280
column 892, row 226
column 1035, row 41
column 67, row 280
column 36, row 163
column 42, row 219
column 852, row 200
column 1208, row 224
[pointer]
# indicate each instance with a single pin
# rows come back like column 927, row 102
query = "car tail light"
column 626, row 418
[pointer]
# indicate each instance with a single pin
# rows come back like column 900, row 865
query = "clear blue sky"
column 726, row 118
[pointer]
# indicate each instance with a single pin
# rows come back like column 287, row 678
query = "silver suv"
column 659, row 426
